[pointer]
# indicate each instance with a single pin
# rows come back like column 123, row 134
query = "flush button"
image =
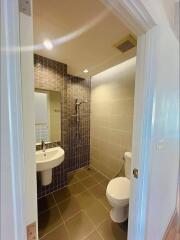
column 135, row 172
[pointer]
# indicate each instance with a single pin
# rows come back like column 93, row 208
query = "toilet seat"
column 119, row 188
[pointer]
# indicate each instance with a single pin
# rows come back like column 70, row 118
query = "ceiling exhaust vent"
column 126, row 44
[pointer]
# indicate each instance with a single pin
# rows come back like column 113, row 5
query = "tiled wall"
column 112, row 101
column 49, row 74
column 79, row 138
column 75, row 138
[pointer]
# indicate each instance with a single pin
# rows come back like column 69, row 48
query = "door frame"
column 12, row 149
column 139, row 21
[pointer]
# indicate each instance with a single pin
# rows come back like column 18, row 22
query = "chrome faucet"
column 43, row 146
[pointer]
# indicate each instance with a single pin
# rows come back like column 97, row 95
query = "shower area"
column 78, row 106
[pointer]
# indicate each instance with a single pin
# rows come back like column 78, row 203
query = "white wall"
column 27, row 74
column 112, row 103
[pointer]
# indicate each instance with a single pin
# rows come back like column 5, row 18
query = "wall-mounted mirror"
column 47, row 116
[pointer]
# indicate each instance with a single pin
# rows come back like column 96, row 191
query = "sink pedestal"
column 46, row 161
column 46, row 177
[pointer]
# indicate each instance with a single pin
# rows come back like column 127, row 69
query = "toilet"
column 118, row 192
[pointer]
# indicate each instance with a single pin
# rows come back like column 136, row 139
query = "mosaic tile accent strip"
column 75, row 136
column 79, row 139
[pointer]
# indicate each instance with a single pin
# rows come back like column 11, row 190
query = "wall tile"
column 112, row 101
column 75, row 137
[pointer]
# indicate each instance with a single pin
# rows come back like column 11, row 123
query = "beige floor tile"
column 48, row 221
column 105, row 202
column 97, row 213
column 82, row 174
column 86, row 199
column 84, row 208
column 62, row 194
column 76, row 188
column 98, row 191
column 69, row 208
column 93, row 236
column 105, row 183
column 59, row 233
column 112, row 231
column 91, row 171
column 45, row 203
column 89, row 182
column 99, row 177
column 79, row 226
column 71, row 179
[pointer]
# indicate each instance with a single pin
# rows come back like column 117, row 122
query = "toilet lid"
column 119, row 188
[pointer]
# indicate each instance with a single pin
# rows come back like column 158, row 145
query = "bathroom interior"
column 84, row 73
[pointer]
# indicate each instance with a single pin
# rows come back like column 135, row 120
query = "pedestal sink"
column 46, row 161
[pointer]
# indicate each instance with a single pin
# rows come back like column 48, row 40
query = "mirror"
column 47, row 116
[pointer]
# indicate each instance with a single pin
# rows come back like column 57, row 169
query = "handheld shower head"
column 85, row 101
column 79, row 103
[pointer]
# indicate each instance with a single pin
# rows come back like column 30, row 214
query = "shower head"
column 79, row 103
column 85, row 101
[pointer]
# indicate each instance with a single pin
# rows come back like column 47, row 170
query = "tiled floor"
column 79, row 211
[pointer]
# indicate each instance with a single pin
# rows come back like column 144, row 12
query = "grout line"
column 91, row 223
column 55, row 205
column 95, row 227
column 44, row 196
column 62, row 218
column 81, row 210
column 101, row 203
column 74, row 171
column 53, row 229
column 100, row 172
column 77, row 170
column 44, row 211
column 58, row 224
column 99, row 235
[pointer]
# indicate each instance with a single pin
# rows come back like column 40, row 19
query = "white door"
column 18, row 171
column 155, row 140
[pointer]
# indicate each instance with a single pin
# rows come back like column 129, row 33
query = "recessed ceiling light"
column 48, row 44
column 85, row 71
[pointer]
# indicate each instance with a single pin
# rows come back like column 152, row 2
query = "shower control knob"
column 135, row 172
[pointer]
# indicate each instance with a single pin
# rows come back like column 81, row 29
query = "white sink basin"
column 46, row 161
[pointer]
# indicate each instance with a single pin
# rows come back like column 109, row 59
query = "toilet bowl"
column 118, row 192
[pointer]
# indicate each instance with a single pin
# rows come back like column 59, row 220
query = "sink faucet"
column 43, row 146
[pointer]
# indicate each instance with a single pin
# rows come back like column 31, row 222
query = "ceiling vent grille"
column 126, row 44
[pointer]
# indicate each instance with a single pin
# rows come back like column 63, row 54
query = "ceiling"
column 83, row 32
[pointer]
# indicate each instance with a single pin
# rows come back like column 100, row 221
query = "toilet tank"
column 127, row 164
